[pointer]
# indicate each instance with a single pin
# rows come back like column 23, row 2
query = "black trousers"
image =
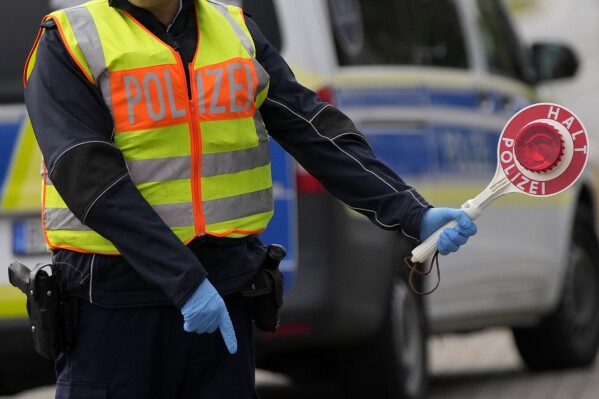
column 144, row 353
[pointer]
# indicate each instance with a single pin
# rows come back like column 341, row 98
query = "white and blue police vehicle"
column 431, row 83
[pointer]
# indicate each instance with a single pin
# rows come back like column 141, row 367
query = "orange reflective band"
column 229, row 232
column 149, row 97
column 28, row 63
column 226, row 90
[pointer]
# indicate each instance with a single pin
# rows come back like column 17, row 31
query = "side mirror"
column 554, row 61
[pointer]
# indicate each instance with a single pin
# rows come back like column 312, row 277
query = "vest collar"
column 125, row 5
column 146, row 17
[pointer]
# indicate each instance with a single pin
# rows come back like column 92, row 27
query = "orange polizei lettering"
column 226, row 90
column 148, row 97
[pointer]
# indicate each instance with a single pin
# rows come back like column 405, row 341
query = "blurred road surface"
column 483, row 365
column 486, row 365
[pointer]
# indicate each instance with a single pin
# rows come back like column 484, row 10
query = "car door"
column 432, row 84
column 505, row 269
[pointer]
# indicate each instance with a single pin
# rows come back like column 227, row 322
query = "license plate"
column 28, row 237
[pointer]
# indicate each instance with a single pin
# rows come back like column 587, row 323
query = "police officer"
column 153, row 117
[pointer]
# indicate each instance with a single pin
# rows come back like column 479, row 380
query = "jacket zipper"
column 196, row 152
column 196, row 172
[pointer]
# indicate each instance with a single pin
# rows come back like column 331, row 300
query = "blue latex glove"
column 450, row 239
column 205, row 311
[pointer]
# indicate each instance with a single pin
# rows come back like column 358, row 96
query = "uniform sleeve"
column 74, row 128
column 328, row 145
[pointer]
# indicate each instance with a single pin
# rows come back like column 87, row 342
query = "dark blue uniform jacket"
column 155, row 267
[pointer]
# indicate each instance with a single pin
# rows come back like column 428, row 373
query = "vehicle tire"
column 569, row 337
column 393, row 363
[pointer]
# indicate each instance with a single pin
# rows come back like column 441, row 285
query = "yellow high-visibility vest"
column 202, row 162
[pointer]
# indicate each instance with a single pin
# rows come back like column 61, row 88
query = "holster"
column 266, row 290
column 53, row 317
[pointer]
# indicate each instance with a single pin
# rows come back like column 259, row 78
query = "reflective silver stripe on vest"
column 238, row 206
column 174, row 215
column 245, row 40
column 107, row 94
column 62, row 219
column 263, row 76
column 159, row 169
column 260, row 127
column 167, row 169
column 179, row 215
column 88, row 39
column 235, row 161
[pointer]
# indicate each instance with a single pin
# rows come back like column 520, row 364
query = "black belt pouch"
column 266, row 291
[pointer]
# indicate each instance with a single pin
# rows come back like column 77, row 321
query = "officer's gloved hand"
column 450, row 239
column 205, row 311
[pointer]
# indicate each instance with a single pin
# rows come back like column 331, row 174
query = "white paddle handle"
column 428, row 247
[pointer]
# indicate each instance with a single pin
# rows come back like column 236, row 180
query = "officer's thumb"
column 468, row 227
column 228, row 333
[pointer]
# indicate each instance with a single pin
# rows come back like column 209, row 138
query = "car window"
column 20, row 22
column 407, row 32
column 503, row 52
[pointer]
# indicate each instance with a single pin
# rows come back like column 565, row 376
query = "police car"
column 20, row 226
column 431, row 84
